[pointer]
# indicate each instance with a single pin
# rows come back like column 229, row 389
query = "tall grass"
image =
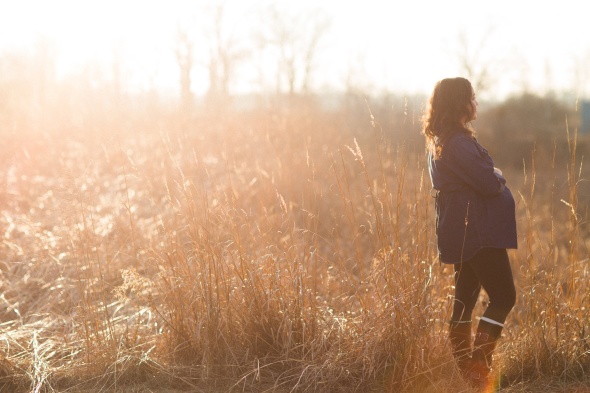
column 551, row 336
column 264, row 252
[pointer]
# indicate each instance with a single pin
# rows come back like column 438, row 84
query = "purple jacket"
column 474, row 208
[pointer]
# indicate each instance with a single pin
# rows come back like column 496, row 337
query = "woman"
column 475, row 224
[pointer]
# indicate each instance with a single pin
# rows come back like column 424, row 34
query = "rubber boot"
column 484, row 345
column 460, row 337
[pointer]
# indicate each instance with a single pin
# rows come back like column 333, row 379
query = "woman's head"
column 451, row 108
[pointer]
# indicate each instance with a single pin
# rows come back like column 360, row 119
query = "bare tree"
column 27, row 86
column 224, row 57
column 218, row 53
column 472, row 61
column 295, row 41
column 184, row 58
column 480, row 63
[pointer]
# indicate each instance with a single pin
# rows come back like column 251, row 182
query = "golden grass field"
column 275, row 251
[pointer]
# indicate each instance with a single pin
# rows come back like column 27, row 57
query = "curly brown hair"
column 449, row 106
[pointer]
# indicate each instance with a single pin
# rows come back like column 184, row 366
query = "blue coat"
column 474, row 208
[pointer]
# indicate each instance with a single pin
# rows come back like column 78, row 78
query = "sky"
column 389, row 45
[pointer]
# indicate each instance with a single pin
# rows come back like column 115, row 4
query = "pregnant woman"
column 475, row 224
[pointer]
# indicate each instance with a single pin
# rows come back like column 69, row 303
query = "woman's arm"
column 473, row 166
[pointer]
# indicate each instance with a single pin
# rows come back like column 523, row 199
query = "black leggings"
column 490, row 269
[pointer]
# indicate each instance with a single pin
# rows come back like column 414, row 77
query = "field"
column 266, row 251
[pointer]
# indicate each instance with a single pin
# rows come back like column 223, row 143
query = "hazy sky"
column 373, row 45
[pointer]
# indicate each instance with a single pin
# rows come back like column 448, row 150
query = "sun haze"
column 235, row 196
column 398, row 46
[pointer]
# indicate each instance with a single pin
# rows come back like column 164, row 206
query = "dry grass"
column 264, row 253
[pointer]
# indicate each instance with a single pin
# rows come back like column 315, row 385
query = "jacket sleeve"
column 473, row 166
